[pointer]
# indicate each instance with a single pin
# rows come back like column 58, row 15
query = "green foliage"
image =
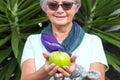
column 20, row 18
column 98, row 17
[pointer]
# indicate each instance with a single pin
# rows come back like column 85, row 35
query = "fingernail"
column 65, row 67
column 56, row 75
column 53, row 64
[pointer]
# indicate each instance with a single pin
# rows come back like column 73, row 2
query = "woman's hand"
column 67, row 71
column 50, row 69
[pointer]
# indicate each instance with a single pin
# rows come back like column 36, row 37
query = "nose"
column 60, row 8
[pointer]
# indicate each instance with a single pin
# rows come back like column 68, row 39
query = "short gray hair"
column 43, row 3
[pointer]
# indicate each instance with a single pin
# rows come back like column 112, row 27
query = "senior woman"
column 88, row 61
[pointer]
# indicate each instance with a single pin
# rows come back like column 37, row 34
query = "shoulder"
column 34, row 36
column 92, row 36
column 92, row 42
column 92, row 39
column 33, row 39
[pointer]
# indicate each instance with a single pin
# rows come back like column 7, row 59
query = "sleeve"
column 28, row 50
column 98, row 54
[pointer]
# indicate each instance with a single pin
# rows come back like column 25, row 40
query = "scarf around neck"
column 71, row 42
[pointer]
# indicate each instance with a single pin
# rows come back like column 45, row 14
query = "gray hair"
column 43, row 3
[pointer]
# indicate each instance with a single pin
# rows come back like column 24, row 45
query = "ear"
column 77, row 8
column 45, row 9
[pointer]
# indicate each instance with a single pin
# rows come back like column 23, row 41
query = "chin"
column 60, row 23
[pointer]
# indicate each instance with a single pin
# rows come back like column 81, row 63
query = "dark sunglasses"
column 55, row 5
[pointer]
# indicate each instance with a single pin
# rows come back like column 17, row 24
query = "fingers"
column 59, row 75
column 46, row 56
column 73, row 63
column 63, row 72
column 52, row 70
column 73, row 58
column 67, row 71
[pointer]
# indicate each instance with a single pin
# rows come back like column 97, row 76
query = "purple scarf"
column 68, row 45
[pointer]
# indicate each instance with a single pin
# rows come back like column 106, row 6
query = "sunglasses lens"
column 67, row 5
column 53, row 5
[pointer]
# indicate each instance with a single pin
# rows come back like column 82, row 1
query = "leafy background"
column 20, row 18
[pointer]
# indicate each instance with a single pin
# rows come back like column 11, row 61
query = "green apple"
column 60, row 58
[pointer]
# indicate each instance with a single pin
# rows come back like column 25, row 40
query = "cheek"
column 71, row 14
column 49, row 13
column 50, row 16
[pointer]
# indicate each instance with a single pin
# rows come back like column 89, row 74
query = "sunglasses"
column 55, row 5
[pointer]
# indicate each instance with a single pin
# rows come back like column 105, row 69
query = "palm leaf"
column 107, row 37
column 114, row 61
column 4, row 54
column 3, row 41
column 11, row 68
column 16, row 17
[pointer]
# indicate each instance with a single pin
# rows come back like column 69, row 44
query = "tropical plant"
column 20, row 18
column 98, row 17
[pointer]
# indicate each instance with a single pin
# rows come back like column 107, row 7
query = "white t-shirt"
column 89, row 51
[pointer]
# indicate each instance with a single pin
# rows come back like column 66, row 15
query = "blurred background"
column 20, row 18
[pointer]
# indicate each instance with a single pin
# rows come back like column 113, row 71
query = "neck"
column 62, row 31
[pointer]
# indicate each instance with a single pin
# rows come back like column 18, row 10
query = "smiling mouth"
column 60, row 16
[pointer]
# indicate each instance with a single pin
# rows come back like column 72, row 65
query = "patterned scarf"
column 72, row 41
